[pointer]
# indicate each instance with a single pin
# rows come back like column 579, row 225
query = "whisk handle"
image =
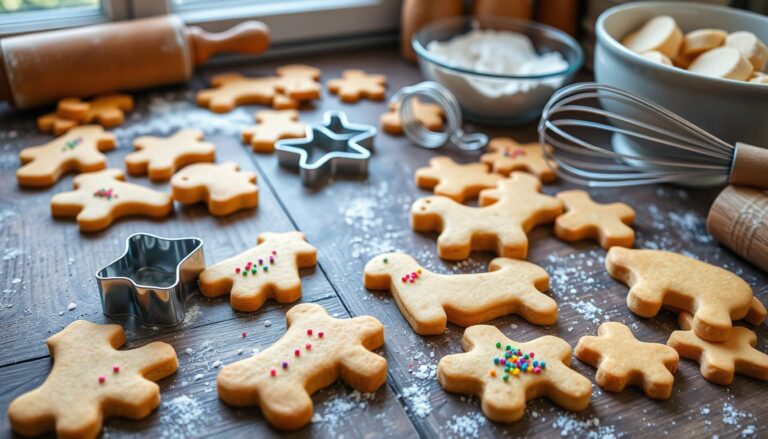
column 750, row 166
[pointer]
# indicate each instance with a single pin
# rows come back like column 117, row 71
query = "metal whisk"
column 658, row 145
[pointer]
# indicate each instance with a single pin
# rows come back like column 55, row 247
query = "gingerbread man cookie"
column 79, row 150
column 271, row 269
column 509, row 212
column 161, row 157
column 355, row 84
column 505, row 374
column 714, row 295
column 455, row 181
column 507, row 156
column 102, row 197
column 315, row 351
column 720, row 361
column 272, row 126
column 583, row 218
column 92, row 380
column 293, row 85
column 429, row 300
column 428, row 114
column 108, row 111
column 223, row 187
column 622, row 360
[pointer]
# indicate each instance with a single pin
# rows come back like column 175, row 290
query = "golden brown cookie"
column 454, row 180
column 223, row 187
column 622, row 360
column 315, row 351
column 271, row 269
column 79, row 150
column 720, row 361
column 160, row 157
column 429, row 300
column 714, row 295
column 90, row 381
column 507, row 156
column 293, row 85
column 355, row 84
column 583, row 218
column 426, row 113
column 102, row 197
column 107, row 111
column 505, row 374
column 272, row 126
column 508, row 213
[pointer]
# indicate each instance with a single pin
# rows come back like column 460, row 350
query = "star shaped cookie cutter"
column 346, row 148
column 152, row 279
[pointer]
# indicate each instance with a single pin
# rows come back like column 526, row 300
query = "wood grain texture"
column 45, row 264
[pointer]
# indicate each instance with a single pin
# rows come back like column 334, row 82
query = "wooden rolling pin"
column 39, row 69
column 739, row 220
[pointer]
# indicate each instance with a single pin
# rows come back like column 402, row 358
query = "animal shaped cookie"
column 107, row 111
column 429, row 300
column 622, row 360
column 91, row 380
column 101, row 197
column 160, row 157
column 720, row 361
column 79, row 150
column 426, row 113
column 506, row 156
column 315, row 351
column 455, row 181
column 714, row 295
column 355, row 84
column 583, row 218
column 223, row 187
column 272, row 126
column 293, row 85
column 505, row 374
column 271, row 269
column 508, row 213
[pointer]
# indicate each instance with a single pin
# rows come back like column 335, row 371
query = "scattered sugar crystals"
column 466, row 425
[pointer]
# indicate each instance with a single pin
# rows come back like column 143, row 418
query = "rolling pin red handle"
column 248, row 37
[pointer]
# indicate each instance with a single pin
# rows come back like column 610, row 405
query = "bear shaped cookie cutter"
column 152, row 279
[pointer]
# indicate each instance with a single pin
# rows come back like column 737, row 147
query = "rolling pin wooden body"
column 738, row 219
column 39, row 69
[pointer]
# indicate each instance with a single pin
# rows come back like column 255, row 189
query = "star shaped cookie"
column 508, row 212
column 455, row 181
column 160, row 157
column 506, row 156
column 355, row 84
column 272, row 126
column 505, row 374
column 223, row 187
column 102, row 197
column 92, row 380
column 622, row 360
column 583, row 218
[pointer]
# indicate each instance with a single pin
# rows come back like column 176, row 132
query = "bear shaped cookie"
column 271, row 269
column 505, row 374
column 224, row 188
column 90, row 381
column 508, row 212
column 315, row 351
column 429, row 300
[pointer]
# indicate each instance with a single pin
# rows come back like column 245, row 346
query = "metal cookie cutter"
column 152, row 279
column 447, row 101
column 335, row 147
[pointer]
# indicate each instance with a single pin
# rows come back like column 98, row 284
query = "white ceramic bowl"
column 734, row 111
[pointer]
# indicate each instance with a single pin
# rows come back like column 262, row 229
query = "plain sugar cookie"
column 505, row 374
column 224, row 188
column 609, row 224
column 429, row 300
column 271, row 126
column 659, row 33
column 455, row 180
column 506, row 156
column 160, row 157
column 315, row 351
column 91, row 380
column 355, row 84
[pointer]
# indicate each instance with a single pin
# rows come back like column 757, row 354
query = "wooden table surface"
column 47, row 264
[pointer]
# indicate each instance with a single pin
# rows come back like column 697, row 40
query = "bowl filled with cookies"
column 706, row 63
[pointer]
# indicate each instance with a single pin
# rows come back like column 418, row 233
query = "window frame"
column 42, row 20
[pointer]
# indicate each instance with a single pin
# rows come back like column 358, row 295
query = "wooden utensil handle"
column 247, row 37
column 739, row 220
column 750, row 166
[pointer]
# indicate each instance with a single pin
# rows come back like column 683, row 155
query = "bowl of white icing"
column 502, row 70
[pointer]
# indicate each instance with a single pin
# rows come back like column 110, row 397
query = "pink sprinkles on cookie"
column 296, row 352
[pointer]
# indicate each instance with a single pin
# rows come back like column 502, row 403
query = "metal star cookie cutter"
column 152, row 279
column 346, row 148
